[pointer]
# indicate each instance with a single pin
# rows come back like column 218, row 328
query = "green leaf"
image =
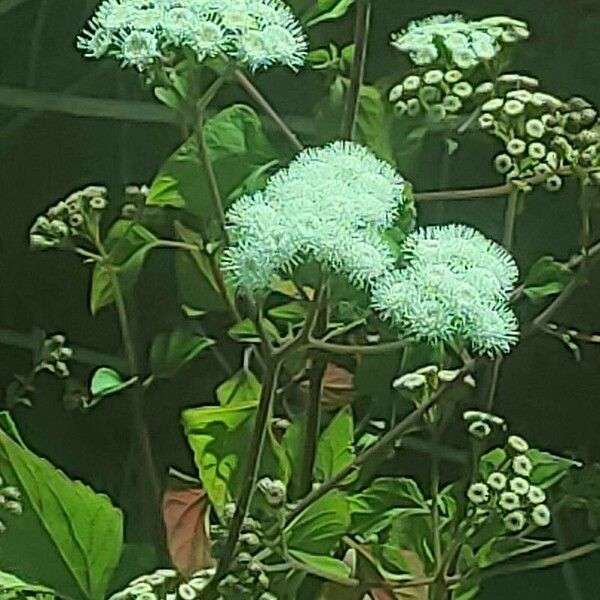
column 322, row 566
column 292, row 312
column 373, row 122
column 373, row 509
column 127, row 244
column 9, row 427
column 237, row 149
column 106, row 381
column 245, row 331
column 319, row 528
column 10, row 584
column 219, row 438
column 502, row 548
column 546, row 277
column 170, row 351
column 549, row 469
column 335, row 449
column 242, row 388
column 68, row 537
column 411, row 529
column 326, row 10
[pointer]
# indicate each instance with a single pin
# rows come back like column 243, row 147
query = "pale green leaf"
column 171, row 351
column 335, row 450
column 242, row 388
column 547, row 277
column 106, row 381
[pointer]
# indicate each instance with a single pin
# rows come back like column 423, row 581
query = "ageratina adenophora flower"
column 141, row 33
column 454, row 288
column 451, row 40
column 330, row 206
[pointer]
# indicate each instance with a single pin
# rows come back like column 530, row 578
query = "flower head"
column 497, row 481
column 478, row 493
column 454, row 287
column 514, row 521
column 519, row 485
column 140, row 33
column 536, row 495
column 465, row 44
column 517, row 444
column 541, row 516
column 521, row 465
column 330, row 205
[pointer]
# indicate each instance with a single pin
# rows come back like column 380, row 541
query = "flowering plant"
column 359, row 329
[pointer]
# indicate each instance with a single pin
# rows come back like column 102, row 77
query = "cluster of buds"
column 481, row 424
column 436, row 94
column 543, row 136
column 135, row 200
column 508, row 492
column 165, row 584
column 247, row 579
column 10, row 502
column 427, row 379
column 273, row 490
column 75, row 216
column 54, row 356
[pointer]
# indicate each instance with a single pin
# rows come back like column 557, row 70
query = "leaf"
column 170, row 351
column 373, row 509
column 186, row 518
column 292, row 312
column 9, row 427
column 335, row 449
column 322, row 566
column 243, row 387
column 245, row 331
column 106, row 381
column 219, row 438
column 326, row 10
column 549, row 469
column 373, row 122
column 237, row 149
column 546, row 277
column 68, row 538
column 319, row 528
column 127, row 244
column 502, row 548
column 10, row 584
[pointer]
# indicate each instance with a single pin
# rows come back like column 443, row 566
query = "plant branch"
column 364, row 349
column 268, row 109
column 389, row 438
column 361, row 39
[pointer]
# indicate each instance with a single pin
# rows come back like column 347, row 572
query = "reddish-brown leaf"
column 185, row 514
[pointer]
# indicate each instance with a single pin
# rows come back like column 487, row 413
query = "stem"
column 252, row 465
column 364, row 349
column 361, row 39
column 389, row 438
column 268, row 109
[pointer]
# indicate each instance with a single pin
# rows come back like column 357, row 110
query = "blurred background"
column 66, row 122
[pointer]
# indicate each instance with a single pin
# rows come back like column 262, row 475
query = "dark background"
column 49, row 145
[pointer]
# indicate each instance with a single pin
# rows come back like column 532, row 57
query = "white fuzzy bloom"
column 140, row 33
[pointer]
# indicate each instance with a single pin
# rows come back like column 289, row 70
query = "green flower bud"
column 537, row 150
column 452, row 103
column 411, row 83
column 479, row 429
column 486, row 121
column 536, row 495
column 523, row 96
column 429, row 93
column 497, row 481
column 98, row 203
column 588, row 116
column 521, row 465
column 478, row 493
column 503, row 163
column 437, row 112
column 453, row 76
column 553, row 183
column 517, row 444
column 463, row 89
column 513, row 108
column 484, row 89
column 396, row 93
column 541, row 516
column 76, row 221
column 433, row 77
column 516, row 147
column 413, row 107
column 519, row 486
column 492, row 105
column 514, row 521
column 535, row 128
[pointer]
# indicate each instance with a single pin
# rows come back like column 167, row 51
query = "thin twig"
column 268, row 109
column 361, row 39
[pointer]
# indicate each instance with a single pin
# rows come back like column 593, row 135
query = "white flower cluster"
column 141, row 33
column 330, row 206
column 454, row 288
column 10, row 502
column 450, row 40
column 510, row 492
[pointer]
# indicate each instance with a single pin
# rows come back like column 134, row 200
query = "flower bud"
column 396, row 93
column 503, row 163
column 433, row 77
column 514, row 521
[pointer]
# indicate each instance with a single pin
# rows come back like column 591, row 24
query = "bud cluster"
column 72, row 217
column 54, row 356
column 543, row 136
column 437, row 94
column 10, row 502
column 507, row 492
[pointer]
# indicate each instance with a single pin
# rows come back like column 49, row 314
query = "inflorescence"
column 144, row 33
column 454, row 288
column 330, row 205
column 451, row 41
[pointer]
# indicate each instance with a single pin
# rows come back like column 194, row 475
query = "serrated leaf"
column 319, row 528
column 171, row 351
column 335, row 450
column 326, row 10
column 68, row 538
column 547, row 277
column 374, row 508
column 107, row 381
column 219, row 438
column 127, row 244
column 237, row 149
column 242, row 388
